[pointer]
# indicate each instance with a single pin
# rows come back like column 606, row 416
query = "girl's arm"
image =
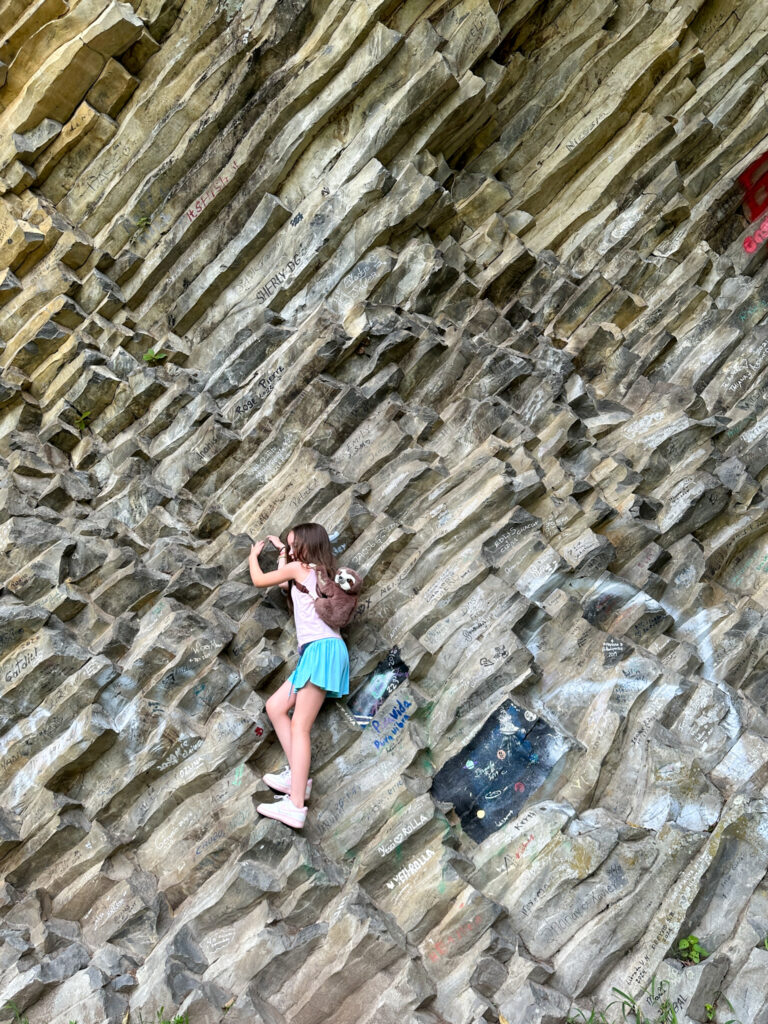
column 291, row 571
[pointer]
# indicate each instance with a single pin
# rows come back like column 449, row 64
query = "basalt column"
column 480, row 286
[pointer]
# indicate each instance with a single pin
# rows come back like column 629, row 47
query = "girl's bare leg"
column 278, row 706
column 309, row 700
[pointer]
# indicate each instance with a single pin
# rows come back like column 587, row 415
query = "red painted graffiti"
column 441, row 945
column 751, row 242
column 754, row 180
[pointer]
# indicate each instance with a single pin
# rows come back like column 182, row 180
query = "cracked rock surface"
column 481, row 286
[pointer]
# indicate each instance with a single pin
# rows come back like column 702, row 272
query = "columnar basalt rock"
column 478, row 287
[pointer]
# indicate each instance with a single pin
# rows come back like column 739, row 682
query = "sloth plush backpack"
column 336, row 599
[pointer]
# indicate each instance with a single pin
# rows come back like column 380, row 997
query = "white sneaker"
column 281, row 781
column 285, row 810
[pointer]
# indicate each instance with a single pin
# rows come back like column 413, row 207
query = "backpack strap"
column 303, row 589
column 301, row 586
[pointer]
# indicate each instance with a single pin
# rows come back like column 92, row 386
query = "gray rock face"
column 482, row 289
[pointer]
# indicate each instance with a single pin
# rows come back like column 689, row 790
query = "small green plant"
column 689, row 951
column 16, row 1013
column 161, row 1018
column 656, row 994
column 631, row 1012
column 143, row 222
column 595, row 1017
column 81, row 423
column 659, row 996
column 150, row 356
column 711, row 1009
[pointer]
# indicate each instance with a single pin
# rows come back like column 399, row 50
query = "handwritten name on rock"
column 411, row 868
column 267, row 288
column 218, row 834
column 585, row 904
column 186, row 746
column 366, row 816
column 404, row 832
column 52, row 726
column 266, row 386
column 518, row 853
column 352, row 448
column 398, row 715
column 440, row 586
column 527, row 907
column 583, row 133
column 104, row 177
column 207, row 447
column 336, row 810
column 19, row 664
column 200, row 204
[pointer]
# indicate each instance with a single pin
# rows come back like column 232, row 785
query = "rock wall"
column 480, row 286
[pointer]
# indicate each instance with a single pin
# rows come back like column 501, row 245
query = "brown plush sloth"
column 337, row 598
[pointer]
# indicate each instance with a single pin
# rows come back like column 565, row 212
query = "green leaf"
column 683, row 943
column 623, row 995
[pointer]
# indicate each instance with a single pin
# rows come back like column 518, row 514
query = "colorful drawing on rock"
column 752, row 242
column 389, row 673
column 485, row 789
column 754, row 181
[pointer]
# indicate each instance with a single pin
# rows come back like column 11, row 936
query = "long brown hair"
column 311, row 543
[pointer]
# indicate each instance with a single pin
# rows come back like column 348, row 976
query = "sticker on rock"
column 504, row 763
column 377, row 686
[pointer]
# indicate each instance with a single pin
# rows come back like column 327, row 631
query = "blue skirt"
column 326, row 664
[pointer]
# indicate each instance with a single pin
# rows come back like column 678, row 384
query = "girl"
column 323, row 666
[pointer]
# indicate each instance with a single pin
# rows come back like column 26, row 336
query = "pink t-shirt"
column 309, row 625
